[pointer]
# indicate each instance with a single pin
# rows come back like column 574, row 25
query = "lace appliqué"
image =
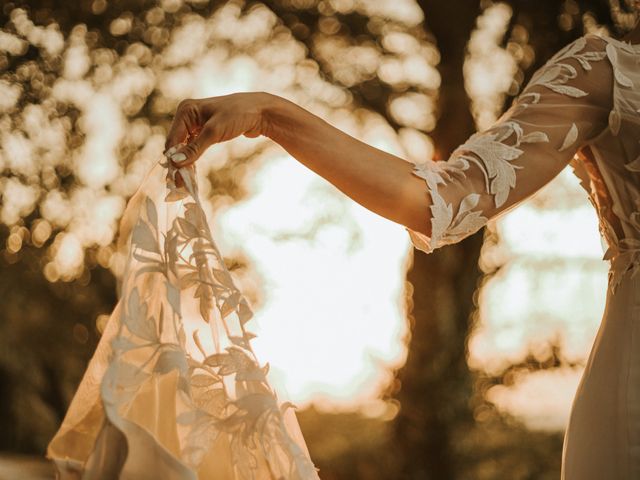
column 178, row 289
column 490, row 152
column 445, row 228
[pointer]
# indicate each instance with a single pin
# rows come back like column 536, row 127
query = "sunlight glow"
column 488, row 68
column 552, row 255
column 333, row 319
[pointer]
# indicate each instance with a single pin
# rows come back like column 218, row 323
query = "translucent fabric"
column 174, row 389
column 582, row 108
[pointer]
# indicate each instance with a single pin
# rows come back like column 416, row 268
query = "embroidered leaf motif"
column 170, row 360
column 143, row 238
column 622, row 79
column 244, row 313
column 633, row 166
column 493, row 151
column 229, row 305
column 496, row 166
column 152, row 214
column 614, row 121
column 534, row 137
column 467, row 221
column 225, row 394
column 136, row 318
column 173, row 297
column 567, row 90
column 213, row 401
column 570, row 139
column 187, row 228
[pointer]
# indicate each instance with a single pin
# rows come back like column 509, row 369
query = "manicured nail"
column 178, row 157
column 171, row 151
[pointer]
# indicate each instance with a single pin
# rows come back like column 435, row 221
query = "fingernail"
column 171, row 151
column 178, row 157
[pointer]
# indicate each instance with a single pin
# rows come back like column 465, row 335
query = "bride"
column 174, row 390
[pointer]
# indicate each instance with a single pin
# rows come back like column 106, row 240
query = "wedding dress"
column 582, row 108
column 174, row 390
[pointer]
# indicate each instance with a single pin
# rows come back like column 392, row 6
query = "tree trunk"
column 435, row 383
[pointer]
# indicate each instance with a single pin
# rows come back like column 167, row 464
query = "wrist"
column 277, row 116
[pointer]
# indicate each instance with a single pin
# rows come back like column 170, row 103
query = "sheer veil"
column 174, row 389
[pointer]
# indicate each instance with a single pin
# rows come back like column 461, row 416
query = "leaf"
column 614, row 121
column 144, row 259
column 244, row 313
column 188, row 228
column 188, row 280
column 173, row 297
column 206, row 301
column 152, row 214
column 534, row 137
column 229, row 304
column 240, row 341
column 570, row 139
column 222, row 276
column 213, row 401
column 170, row 360
column 196, row 339
column 192, row 213
column 123, row 344
column 468, row 203
column 622, row 79
column 567, row 90
column 136, row 319
column 143, row 238
column 204, row 380
column 216, row 359
column 633, row 166
column 253, row 375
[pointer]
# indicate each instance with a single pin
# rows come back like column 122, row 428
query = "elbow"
column 417, row 209
column 419, row 221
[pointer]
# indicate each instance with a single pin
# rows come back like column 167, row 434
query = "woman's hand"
column 199, row 123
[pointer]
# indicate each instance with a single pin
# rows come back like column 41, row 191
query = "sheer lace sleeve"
column 565, row 104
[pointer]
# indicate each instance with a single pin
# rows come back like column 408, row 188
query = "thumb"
column 186, row 154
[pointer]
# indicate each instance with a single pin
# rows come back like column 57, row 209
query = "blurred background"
column 461, row 364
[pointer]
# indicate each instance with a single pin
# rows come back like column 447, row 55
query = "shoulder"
column 580, row 55
column 579, row 70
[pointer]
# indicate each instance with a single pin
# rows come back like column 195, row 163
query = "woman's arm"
column 566, row 103
column 377, row 180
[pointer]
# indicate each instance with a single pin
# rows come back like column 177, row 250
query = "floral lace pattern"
column 494, row 151
column 176, row 288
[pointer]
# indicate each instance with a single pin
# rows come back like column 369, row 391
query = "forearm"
column 377, row 180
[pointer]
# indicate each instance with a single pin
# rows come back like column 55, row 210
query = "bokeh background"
column 461, row 364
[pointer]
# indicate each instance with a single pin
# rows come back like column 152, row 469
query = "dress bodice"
column 609, row 164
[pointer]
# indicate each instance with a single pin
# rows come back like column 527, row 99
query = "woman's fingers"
column 186, row 155
column 186, row 122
